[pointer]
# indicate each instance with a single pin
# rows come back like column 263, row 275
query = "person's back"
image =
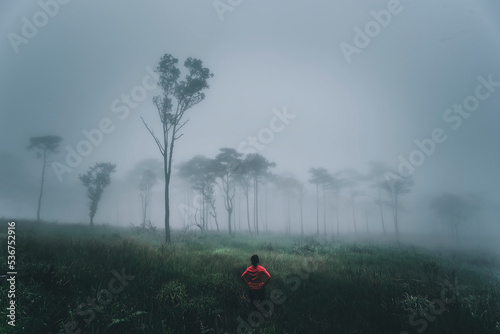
column 256, row 274
column 257, row 281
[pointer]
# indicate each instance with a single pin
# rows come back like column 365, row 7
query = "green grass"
column 193, row 285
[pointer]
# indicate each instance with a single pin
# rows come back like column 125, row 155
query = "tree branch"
column 181, row 126
column 160, row 147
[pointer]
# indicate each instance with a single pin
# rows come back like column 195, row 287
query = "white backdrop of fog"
column 265, row 56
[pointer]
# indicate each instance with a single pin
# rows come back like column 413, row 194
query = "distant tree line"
column 232, row 172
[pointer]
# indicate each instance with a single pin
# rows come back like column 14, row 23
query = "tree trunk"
column 337, row 211
column 396, row 217
column 229, row 213
column 234, row 213
column 288, row 219
column 228, row 202
column 94, row 202
column 317, row 208
column 202, row 211
column 214, row 212
column 265, row 207
column 381, row 210
column 167, row 160
column 239, row 212
column 167, row 198
column 324, row 209
column 248, row 212
column 301, row 216
column 353, row 215
column 256, row 205
column 143, row 203
column 382, row 217
column 41, row 186
column 366, row 222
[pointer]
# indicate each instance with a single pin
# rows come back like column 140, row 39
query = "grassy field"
column 78, row 279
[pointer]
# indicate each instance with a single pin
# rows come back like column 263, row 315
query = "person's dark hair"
column 254, row 259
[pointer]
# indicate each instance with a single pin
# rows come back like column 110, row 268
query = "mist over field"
column 346, row 120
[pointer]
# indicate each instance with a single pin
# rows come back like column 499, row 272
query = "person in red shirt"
column 257, row 280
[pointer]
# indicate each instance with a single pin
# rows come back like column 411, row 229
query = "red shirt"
column 256, row 274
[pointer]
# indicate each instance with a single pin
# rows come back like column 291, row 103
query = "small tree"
column 335, row 185
column 351, row 181
column 227, row 164
column 320, row 176
column 45, row 145
column 95, row 180
column 377, row 171
column 242, row 176
column 396, row 186
column 257, row 166
column 453, row 210
column 200, row 171
column 290, row 187
column 301, row 202
column 148, row 180
column 177, row 97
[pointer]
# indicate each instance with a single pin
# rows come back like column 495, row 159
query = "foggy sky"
column 266, row 57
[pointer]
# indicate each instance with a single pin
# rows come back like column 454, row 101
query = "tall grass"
column 193, row 284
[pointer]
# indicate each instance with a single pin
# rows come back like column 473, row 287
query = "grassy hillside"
column 111, row 280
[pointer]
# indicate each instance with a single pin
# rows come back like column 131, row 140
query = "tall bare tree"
column 95, row 180
column 45, row 146
column 177, row 97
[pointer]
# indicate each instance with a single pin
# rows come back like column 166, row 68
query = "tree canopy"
column 95, row 180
